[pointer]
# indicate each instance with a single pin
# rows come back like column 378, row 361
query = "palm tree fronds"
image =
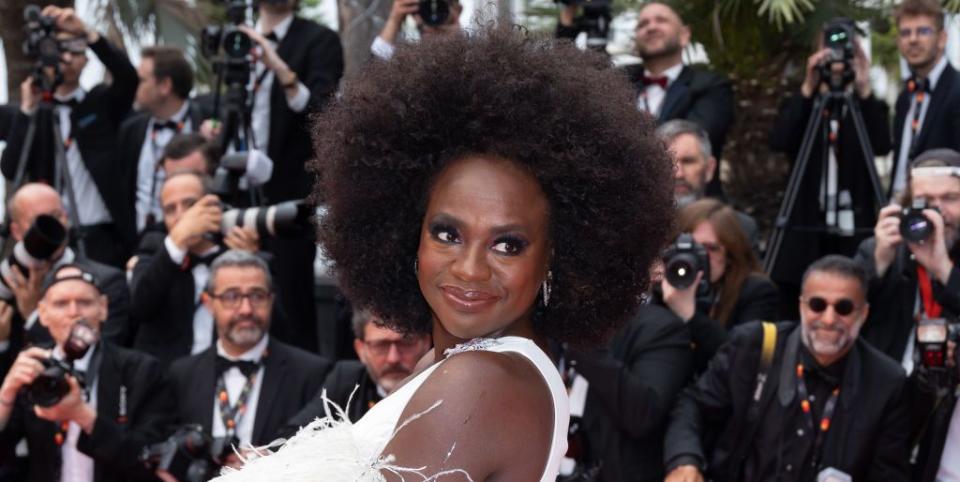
column 784, row 11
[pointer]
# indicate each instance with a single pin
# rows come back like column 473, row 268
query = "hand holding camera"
column 26, row 368
column 271, row 59
column 922, row 227
column 66, row 20
column 202, row 218
column 681, row 301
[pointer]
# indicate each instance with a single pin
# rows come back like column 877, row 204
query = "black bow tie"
column 918, row 85
column 207, row 259
column 246, row 367
column 70, row 103
column 661, row 81
column 159, row 125
column 272, row 36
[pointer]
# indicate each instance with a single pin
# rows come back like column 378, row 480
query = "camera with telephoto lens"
column 838, row 37
column 916, row 227
column 289, row 219
column 682, row 260
column 51, row 385
column 189, row 455
column 42, row 45
column 595, row 21
column 45, row 236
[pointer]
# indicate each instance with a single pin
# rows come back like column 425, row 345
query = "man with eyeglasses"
column 927, row 113
column 386, row 359
column 87, row 123
column 915, row 280
column 173, row 266
column 246, row 386
column 795, row 402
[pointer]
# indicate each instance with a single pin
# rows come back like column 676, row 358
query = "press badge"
column 831, row 474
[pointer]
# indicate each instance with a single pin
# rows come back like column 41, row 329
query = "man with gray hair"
column 247, row 385
column 695, row 166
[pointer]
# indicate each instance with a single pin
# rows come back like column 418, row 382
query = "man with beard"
column 689, row 146
column 927, row 112
column 247, row 385
column 666, row 88
column 911, row 281
column 797, row 403
column 387, row 358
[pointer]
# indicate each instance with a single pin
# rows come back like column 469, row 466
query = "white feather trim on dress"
column 326, row 450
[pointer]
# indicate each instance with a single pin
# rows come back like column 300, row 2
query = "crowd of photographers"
column 157, row 309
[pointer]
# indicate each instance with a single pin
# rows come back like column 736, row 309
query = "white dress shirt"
column 202, row 319
column 149, row 175
column 950, row 459
column 906, row 136
column 234, row 381
column 77, row 466
column 260, row 118
column 91, row 207
column 651, row 97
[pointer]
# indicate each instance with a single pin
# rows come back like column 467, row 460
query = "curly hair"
column 564, row 115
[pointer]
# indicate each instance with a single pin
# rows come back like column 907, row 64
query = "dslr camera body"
column 916, row 227
column 838, row 36
column 44, row 237
column 51, row 385
column 682, row 260
column 190, row 455
column 42, row 45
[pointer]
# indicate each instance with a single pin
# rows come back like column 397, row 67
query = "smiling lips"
column 467, row 301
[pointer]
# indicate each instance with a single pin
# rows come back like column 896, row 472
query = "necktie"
column 656, row 80
column 246, row 367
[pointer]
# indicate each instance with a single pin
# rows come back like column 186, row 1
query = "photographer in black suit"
column 299, row 71
column 29, row 202
column 88, row 123
column 386, row 359
column 96, row 430
column 271, row 380
column 168, row 278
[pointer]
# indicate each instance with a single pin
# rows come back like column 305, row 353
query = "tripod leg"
column 63, row 172
column 793, row 185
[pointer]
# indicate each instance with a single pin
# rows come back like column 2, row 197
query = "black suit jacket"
column 94, row 124
column 868, row 436
column 893, row 298
column 700, row 96
column 129, row 382
column 291, row 377
column 315, row 54
column 932, row 412
column 632, row 389
column 130, row 138
column 941, row 123
column 348, row 385
column 804, row 247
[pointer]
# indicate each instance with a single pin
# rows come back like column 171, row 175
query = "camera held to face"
column 916, row 227
column 189, row 455
column 682, row 261
column 42, row 45
column 51, row 385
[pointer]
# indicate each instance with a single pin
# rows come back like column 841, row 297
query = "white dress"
column 331, row 450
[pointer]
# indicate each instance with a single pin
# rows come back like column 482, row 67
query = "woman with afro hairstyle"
column 497, row 192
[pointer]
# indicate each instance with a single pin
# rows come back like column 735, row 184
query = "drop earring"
column 547, row 288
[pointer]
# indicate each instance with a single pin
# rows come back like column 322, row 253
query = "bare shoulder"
column 490, row 414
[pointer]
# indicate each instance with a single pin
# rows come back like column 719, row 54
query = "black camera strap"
column 819, row 431
column 231, row 415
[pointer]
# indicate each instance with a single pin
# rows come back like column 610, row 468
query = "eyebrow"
column 445, row 218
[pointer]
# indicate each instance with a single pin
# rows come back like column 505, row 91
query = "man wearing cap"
column 248, row 384
column 913, row 280
column 86, row 123
column 117, row 401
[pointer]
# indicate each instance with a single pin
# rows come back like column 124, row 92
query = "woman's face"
column 484, row 247
column 706, row 236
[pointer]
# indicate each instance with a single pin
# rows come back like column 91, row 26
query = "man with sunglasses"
column 911, row 281
column 87, row 122
column 927, row 112
column 386, row 359
column 797, row 402
column 248, row 384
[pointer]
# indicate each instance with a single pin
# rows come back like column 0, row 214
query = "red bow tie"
column 661, row 81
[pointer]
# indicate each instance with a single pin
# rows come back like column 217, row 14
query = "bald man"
column 30, row 201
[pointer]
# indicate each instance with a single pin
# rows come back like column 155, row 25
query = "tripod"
column 824, row 121
column 63, row 182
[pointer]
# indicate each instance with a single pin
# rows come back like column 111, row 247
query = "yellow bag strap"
column 766, row 357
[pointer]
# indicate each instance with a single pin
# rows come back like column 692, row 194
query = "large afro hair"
column 566, row 116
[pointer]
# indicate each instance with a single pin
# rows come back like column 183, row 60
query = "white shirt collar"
column 280, row 30
column 671, row 74
column 253, row 354
column 78, row 94
column 938, row 69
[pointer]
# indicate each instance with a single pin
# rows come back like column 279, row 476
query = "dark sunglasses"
column 842, row 307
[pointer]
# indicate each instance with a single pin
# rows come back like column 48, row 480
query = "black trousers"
column 103, row 243
column 293, row 265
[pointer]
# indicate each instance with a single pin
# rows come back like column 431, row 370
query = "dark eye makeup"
column 506, row 244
